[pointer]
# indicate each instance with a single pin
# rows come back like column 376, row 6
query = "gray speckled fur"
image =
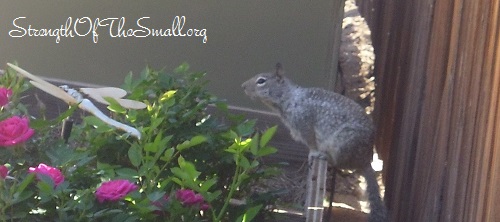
column 324, row 121
column 321, row 119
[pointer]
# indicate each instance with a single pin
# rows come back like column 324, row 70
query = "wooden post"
column 336, row 33
column 316, row 186
column 318, row 164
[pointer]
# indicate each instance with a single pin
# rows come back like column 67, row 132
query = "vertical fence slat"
column 439, row 124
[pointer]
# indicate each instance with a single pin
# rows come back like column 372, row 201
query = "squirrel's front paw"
column 316, row 156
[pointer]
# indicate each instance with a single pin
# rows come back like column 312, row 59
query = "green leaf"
column 212, row 196
column 94, row 121
column 99, row 125
column 104, row 212
column 135, row 155
column 229, row 150
column 208, row 184
column 184, row 67
column 165, row 81
column 167, row 156
column 268, row 150
column 167, row 95
column 230, row 135
column 151, row 147
column 127, row 173
column 191, row 170
column 178, row 172
column 188, row 170
column 196, row 140
column 177, row 181
column 124, row 217
column 106, row 169
column 267, row 136
column 25, row 182
column 61, row 187
column 255, row 163
column 250, row 214
column 254, row 148
column 46, row 187
column 234, row 148
column 128, row 84
column 19, row 197
column 114, row 106
column 155, row 122
column 181, row 161
column 244, row 162
column 161, row 141
column 243, row 176
column 222, row 106
column 246, row 128
column 39, row 124
column 84, row 160
column 154, row 196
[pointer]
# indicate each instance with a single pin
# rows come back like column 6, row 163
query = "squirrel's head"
column 267, row 87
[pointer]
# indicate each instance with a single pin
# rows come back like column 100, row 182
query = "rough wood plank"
column 489, row 195
column 316, row 186
column 437, row 111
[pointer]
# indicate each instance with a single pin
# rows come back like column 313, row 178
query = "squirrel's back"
column 342, row 128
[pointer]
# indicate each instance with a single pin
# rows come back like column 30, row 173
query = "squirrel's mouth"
column 252, row 97
column 247, row 92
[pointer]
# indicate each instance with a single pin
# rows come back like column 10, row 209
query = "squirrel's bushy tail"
column 378, row 211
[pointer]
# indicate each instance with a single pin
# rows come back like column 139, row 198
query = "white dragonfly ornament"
column 72, row 97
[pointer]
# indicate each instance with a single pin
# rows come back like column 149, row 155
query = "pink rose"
column 3, row 171
column 14, row 130
column 186, row 197
column 190, row 198
column 54, row 173
column 114, row 190
column 4, row 96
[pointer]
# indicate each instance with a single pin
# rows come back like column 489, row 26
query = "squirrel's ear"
column 279, row 70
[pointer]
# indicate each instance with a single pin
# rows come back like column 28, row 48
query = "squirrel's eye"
column 260, row 81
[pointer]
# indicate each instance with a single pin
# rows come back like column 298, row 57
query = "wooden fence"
column 438, row 109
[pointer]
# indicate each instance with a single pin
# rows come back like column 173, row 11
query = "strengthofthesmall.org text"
column 115, row 27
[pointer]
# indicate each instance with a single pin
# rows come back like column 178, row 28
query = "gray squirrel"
column 324, row 121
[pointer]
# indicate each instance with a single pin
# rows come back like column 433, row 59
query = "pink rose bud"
column 15, row 130
column 3, row 171
column 54, row 173
column 4, row 96
column 204, row 206
column 188, row 197
column 114, row 190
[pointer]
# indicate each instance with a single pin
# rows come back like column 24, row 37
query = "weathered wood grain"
column 437, row 110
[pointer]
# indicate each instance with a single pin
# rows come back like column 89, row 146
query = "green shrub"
column 188, row 165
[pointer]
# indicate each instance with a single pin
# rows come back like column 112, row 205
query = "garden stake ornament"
column 72, row 97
